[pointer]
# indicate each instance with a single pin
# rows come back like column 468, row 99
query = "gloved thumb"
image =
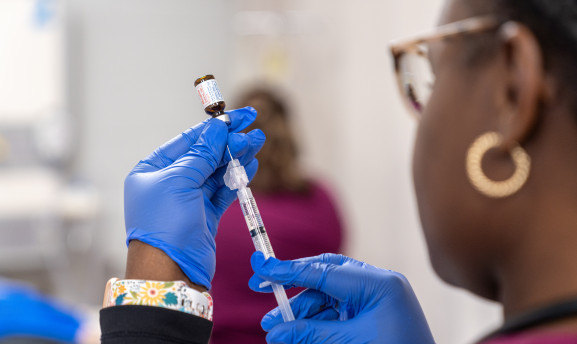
column 206, row 154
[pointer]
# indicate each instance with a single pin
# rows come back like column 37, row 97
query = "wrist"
column 145, row 262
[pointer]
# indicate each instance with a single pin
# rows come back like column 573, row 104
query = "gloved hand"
column 380, row 304
column 24, row 312
column 173, row 199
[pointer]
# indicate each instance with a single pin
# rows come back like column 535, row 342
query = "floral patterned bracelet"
column 174, row 295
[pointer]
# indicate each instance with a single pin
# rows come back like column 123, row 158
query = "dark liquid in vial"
column 215, row 110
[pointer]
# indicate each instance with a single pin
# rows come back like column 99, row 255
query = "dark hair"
column 279, row 168
column 554, row 24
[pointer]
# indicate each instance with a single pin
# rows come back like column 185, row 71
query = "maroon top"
column 297, row 225
column 535, row 338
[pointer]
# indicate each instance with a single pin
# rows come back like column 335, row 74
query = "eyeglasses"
column 415, row 76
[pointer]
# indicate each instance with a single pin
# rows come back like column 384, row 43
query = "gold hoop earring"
column 486, row 186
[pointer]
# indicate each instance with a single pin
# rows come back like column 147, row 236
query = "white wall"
column 133, row 63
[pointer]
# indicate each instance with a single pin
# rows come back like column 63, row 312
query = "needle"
column 229, row 153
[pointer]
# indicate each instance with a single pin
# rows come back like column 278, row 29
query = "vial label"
column 209, row 93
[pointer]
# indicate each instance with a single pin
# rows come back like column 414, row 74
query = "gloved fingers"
column 310, row 332
column 313, row 274
column 310, row 304
column 237, row 145
column 241, row 118
column 329, row 314
column 173, row 149
column 329, row 258
column 244, row 146
column 223, row 197
column 251, row 144
column 213, row 183
column 259, row 284
column 204, row 156
column 169, row 152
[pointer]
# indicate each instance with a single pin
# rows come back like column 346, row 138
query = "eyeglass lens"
column 417, row 78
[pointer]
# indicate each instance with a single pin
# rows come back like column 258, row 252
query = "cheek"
column 441, row 184
column 435, row 172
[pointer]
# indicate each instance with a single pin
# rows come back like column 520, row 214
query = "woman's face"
column 460, row 109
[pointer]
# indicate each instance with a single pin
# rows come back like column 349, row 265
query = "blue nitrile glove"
column 24, row 312
column 380, row 304
column 173, row 199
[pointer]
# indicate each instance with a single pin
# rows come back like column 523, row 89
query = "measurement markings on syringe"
column 253, row 220
column 255, row 232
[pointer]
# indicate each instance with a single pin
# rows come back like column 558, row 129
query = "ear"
column 524, row 86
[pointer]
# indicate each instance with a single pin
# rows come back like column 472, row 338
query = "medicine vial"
column 211, row 98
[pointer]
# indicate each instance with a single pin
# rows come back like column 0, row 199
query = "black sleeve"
column 152, row 325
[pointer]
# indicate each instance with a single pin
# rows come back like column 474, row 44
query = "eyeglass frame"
column 398, row 48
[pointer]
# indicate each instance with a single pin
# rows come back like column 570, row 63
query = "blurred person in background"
column 299, row 214
column 495, row 177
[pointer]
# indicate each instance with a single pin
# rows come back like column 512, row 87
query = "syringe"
column 236, row 178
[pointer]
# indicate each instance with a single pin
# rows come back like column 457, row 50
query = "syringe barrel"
column 254, row 222
column 262, row 243
column 244, row 195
